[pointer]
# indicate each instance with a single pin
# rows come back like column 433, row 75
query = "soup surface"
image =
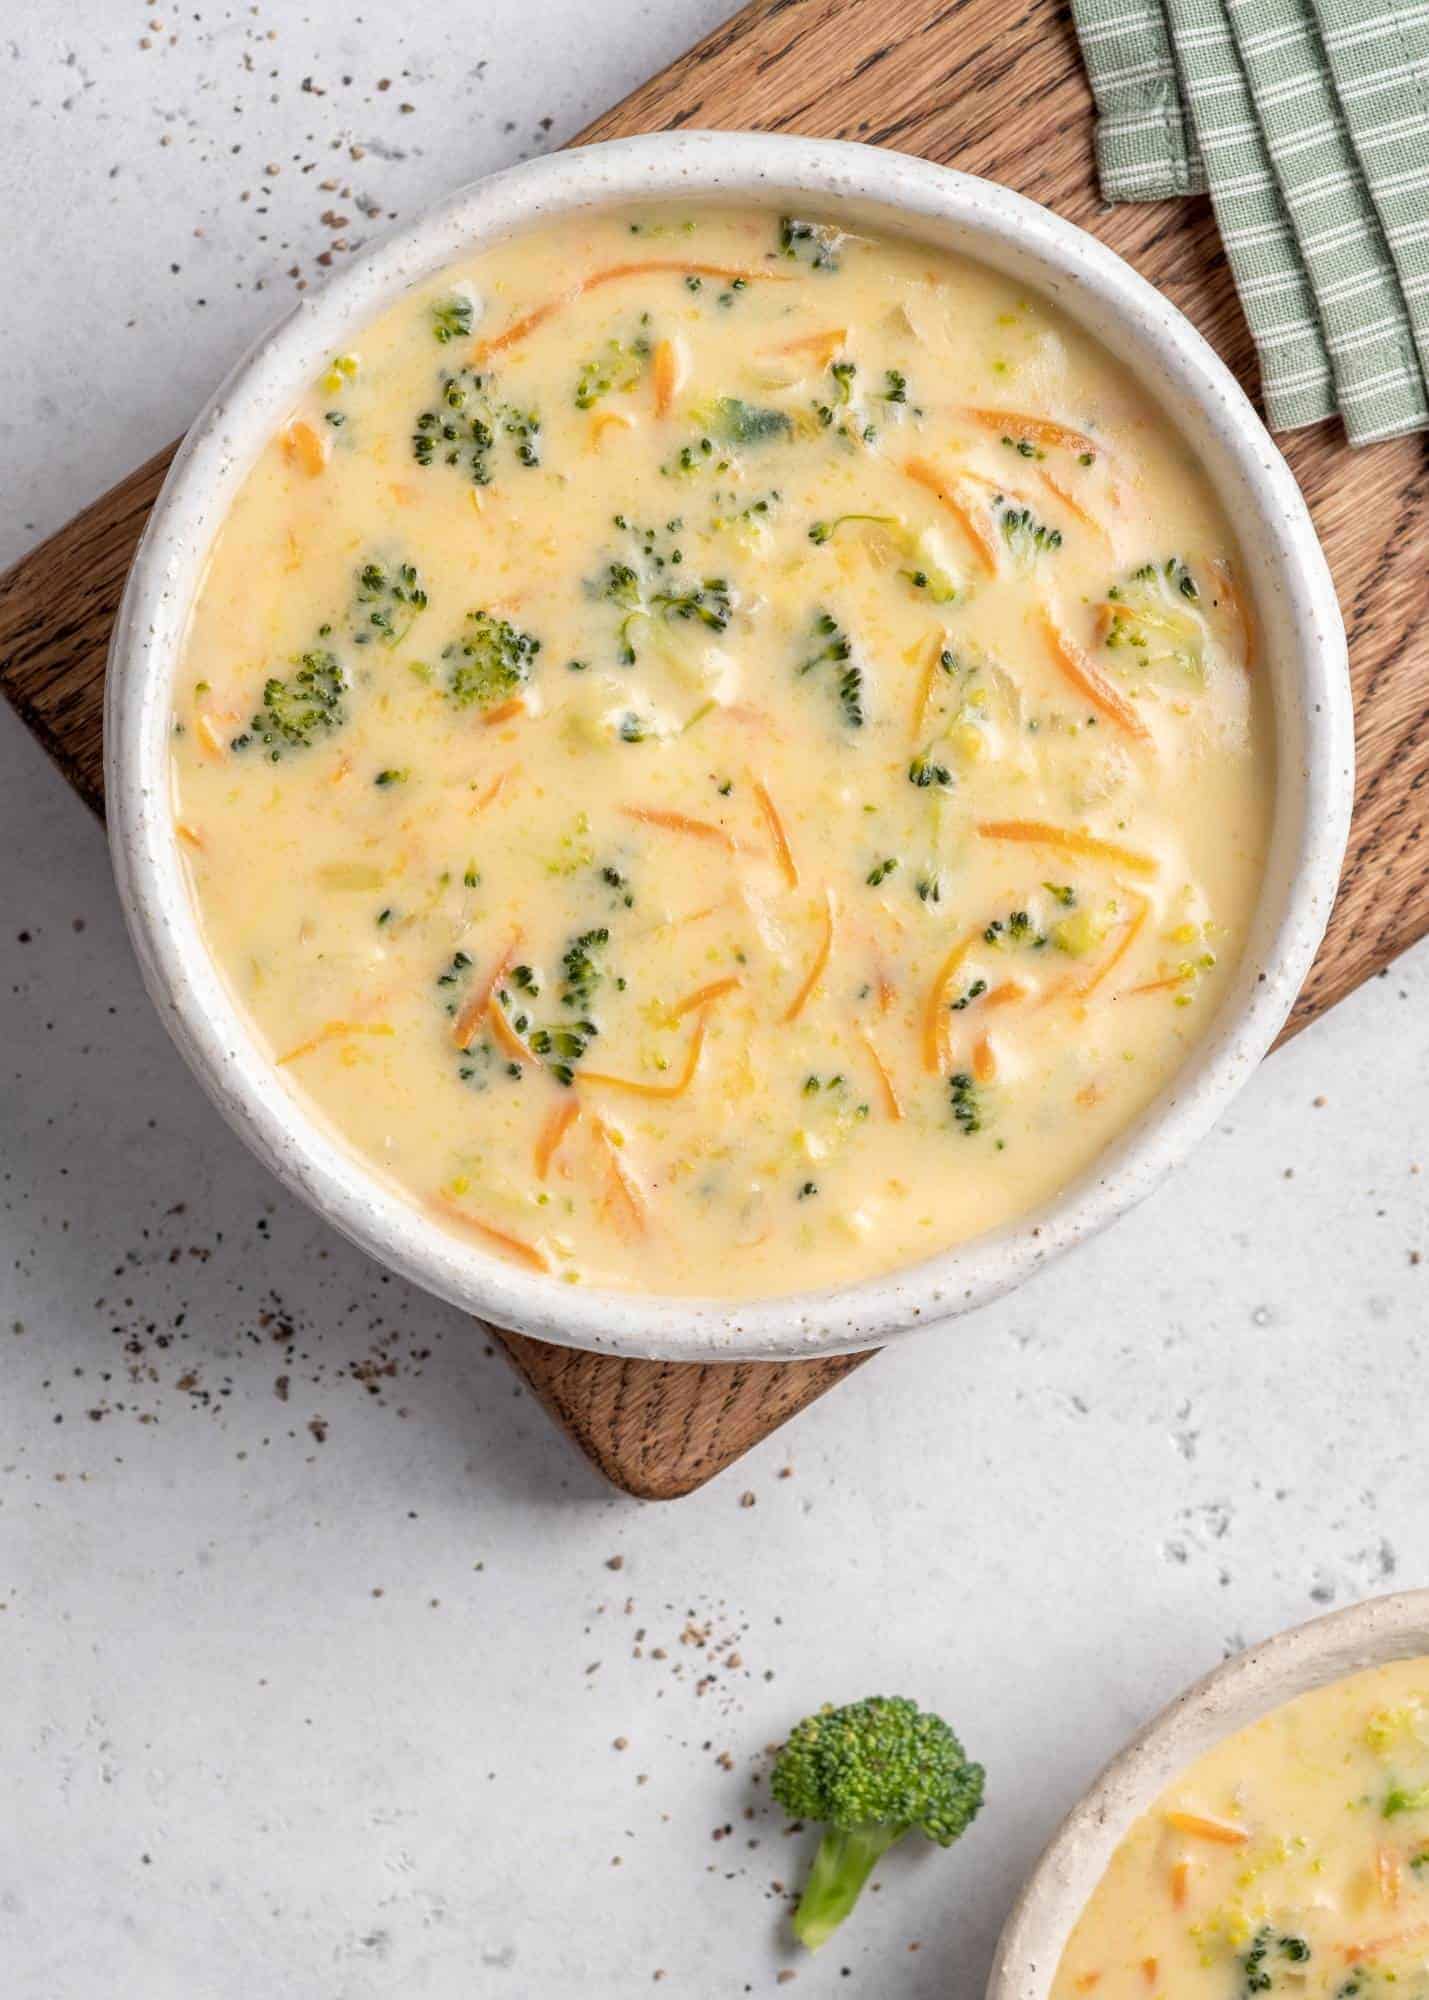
column 723, row 755
column 1292, row 1859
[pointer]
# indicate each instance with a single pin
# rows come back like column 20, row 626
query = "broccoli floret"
column 730, row 420
column 966, row 1101
column 617, row 367
column 1399, row 1799
column 1265, row 1948
column 388, row 603
column 814, row 243
column 836, row 650
column 1024, row 534
column 1150, row 613
column 467, row 427
column 490, row 661
column 451, row 319
column 298, row 710
column 873, row 1772
column 912, row 543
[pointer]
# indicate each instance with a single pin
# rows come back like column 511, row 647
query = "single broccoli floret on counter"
column 1150, row 614
column 490, row 663
column 873, row 1772
column 298, row 710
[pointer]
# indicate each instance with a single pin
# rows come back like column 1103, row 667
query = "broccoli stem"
column 844, row 1862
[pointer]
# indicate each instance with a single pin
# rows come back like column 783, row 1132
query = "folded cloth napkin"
column 1307, row 121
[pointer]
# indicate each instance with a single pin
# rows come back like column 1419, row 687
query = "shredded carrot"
column 516, row 1247
column 189, row 835
column 887, row 992
column 494, row 789
column 665, row 374
column 822, row 346
column 1034, row 430
column 936, row 649
column 1240, row 611
column 678, row 822
column 935, row 1017
column 1389, row 1871
column 342, row 771
column 984, row 1061
column 606, row 420
column 1001, row 996
column 929, row 476
column 469, row 1019
column 1130, row 931
column 504, row 1035
column 520, row 328
column 1073, row 505
column 892, row 1103
column 1086, row 1982
column 548, row 1141
column 703, row 995
column 1377, row 1947
column 639, row 1088
column 303, row 446
column 1202, row 1827
column 208, row 735
column 777, row 834
column 1090, row 681
column 1180, row 1882
column 821, row 958
column 624, row 1195
column 1149, row 1969
column 1068, row 840
column 336, row 1031
column 504, row 711
column 1158, row 985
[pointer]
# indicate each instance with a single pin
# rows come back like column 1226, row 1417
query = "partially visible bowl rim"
column 1233, row 1695
column 219, row 1044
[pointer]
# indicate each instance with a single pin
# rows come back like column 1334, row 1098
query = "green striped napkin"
column 1308, row 123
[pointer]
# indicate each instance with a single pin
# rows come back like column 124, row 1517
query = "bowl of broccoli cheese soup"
column 1268, row 1834
column 726, row 744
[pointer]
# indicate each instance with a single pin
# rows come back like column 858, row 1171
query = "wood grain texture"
column 994, row 89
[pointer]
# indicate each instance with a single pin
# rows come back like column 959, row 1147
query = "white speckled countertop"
column 328, row 1668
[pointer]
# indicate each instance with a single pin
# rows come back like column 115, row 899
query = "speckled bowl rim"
column 1295, row 601
column 1232, row 1696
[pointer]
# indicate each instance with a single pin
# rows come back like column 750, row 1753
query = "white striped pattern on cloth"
column 1308, row 121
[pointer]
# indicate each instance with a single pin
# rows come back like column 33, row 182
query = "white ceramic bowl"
column 1304, row 653
column 1230, row 1698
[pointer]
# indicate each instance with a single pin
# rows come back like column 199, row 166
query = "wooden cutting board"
column 997, row 90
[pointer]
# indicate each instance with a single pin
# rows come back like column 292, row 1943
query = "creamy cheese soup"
column 724, row 755
column 1291, row 1860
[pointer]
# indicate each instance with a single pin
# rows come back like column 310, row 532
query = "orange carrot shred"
column 892, row 1103
column 984, row 1061
column 515, row 1247
column 605, row 420
column 639, row 1088
column 1202, row 1827
column 1180, row 1882
column 209, row 736
column 665, row 373
column 1149, row 1969
column 925, row 689
column 548, row 1141
column 335, row 1031
column 823, row 346
column 821, row 958
column 1157, row 985
column 1073, row 505
column 188, row 834
column 469, row 1019
column 703, row 995
column 929, row 476
column 782, row 849
column 1088, row 680
column 1068, row 840
column 504, row 711
column 520, row 328
column 303, row 446
column 494, row 790
column 1377, row 1947
column 1034, row 430
column 935, row 1017
column 504, row 1035
column 1131, row 929
column 678, row 822
column 623, row 1195
column 1087, row 1981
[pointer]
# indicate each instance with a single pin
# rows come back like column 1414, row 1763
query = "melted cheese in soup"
column 721, row 755
column 1292, row 1860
